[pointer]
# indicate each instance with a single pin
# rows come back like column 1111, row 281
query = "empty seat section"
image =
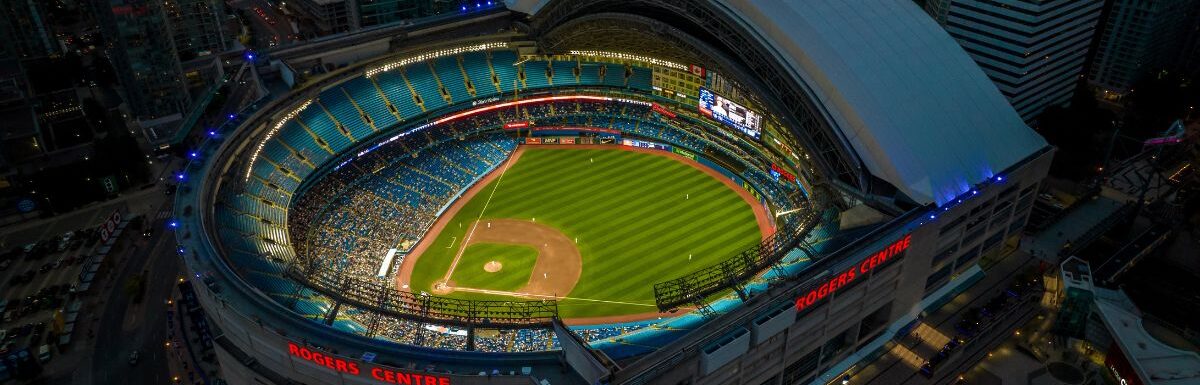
column 257, row 188
column 475, row 63
column 564, row 73
column 641, row 79
column 452, row 78
column 367, row 97
column 286, row 158
column 589, row 73
column 506, row 72
column 324, row 128
column 298, row 138
column 422, row 80
column 336, row 102
column 267, row 171
column 397, row 92
column 614, row 75
column 535, row 74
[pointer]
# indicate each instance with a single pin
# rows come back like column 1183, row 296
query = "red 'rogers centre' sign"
column 846, row 277
column 352, row 368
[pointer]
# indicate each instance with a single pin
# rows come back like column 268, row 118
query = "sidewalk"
column 1077, row 223
column 901, row 363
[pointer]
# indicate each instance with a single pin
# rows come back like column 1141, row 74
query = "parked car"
column 44, row 353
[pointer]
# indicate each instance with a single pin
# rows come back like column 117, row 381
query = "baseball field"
column 592, row 227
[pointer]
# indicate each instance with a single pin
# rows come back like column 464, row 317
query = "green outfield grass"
column 629, row 213
column 517, row 262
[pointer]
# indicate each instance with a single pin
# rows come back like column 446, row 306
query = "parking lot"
column 40, row 269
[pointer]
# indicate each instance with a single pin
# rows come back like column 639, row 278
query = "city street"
column 268, row 24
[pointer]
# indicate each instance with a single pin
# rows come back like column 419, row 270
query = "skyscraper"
column 141, row 47
column 24, row 30
column 1033, row 50
column 196, row 26
column 1139, row 38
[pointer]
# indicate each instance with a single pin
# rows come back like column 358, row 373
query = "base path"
column 404, row 276
column 558, row 264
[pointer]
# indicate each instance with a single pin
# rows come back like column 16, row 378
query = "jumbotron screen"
column 732, row 114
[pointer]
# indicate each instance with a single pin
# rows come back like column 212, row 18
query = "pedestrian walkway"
column 901, row 362
column 1075, row 227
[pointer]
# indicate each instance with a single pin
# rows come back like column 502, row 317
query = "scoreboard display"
column 731, row 114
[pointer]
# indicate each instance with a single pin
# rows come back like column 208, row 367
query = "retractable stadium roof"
column 918, row 112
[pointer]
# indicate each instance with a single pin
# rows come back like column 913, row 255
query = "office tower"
column 196, row 25
column 24, row 29
column 140, row 45
column 1033, row 50
column 1140, row 38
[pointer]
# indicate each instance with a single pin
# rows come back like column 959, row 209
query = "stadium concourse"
column 842, row 198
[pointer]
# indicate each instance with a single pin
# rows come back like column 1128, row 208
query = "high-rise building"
column 196, row 26
column 24, row 30
column 1139, row 38
column 1034, row 50
column 142, row 50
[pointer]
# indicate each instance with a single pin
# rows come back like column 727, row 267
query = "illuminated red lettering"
column 293, row 349
column 430, row 380
column 443, row 381
column 352, row 368
column 841, row 280
column 406, row 379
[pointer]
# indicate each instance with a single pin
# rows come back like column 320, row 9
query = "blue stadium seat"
column 368, row 98
column 452, row 78
column 397, row 92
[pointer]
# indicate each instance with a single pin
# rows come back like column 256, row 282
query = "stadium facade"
column 891, row 175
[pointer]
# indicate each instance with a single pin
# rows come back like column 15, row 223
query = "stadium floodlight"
column 275, row 129
column 626, row 56
column 434, row 55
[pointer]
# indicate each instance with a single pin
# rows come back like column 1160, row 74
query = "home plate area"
column 520, row 258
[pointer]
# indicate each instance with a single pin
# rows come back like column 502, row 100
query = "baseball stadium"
column 604, row 191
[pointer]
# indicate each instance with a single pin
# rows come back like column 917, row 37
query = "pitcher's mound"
column 492, row 266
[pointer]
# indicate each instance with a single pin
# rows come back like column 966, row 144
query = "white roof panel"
column 916, row 109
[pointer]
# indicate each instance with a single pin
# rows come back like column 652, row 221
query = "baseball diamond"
column 604, row 220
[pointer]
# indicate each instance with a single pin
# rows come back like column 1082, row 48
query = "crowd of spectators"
column 390, row 196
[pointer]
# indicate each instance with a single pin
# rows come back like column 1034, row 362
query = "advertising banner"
column 662, row 110
column 645, row 144
column 779, row 172
column 533, row 140
column 109, row 225
column 684, row 153
column 516, row 125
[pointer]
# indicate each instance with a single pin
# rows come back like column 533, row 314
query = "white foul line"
column 467, row 239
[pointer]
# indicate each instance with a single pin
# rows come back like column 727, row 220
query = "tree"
column 1080, row 132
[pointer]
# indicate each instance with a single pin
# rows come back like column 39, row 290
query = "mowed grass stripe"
column 629, row 212
column 702, row 256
